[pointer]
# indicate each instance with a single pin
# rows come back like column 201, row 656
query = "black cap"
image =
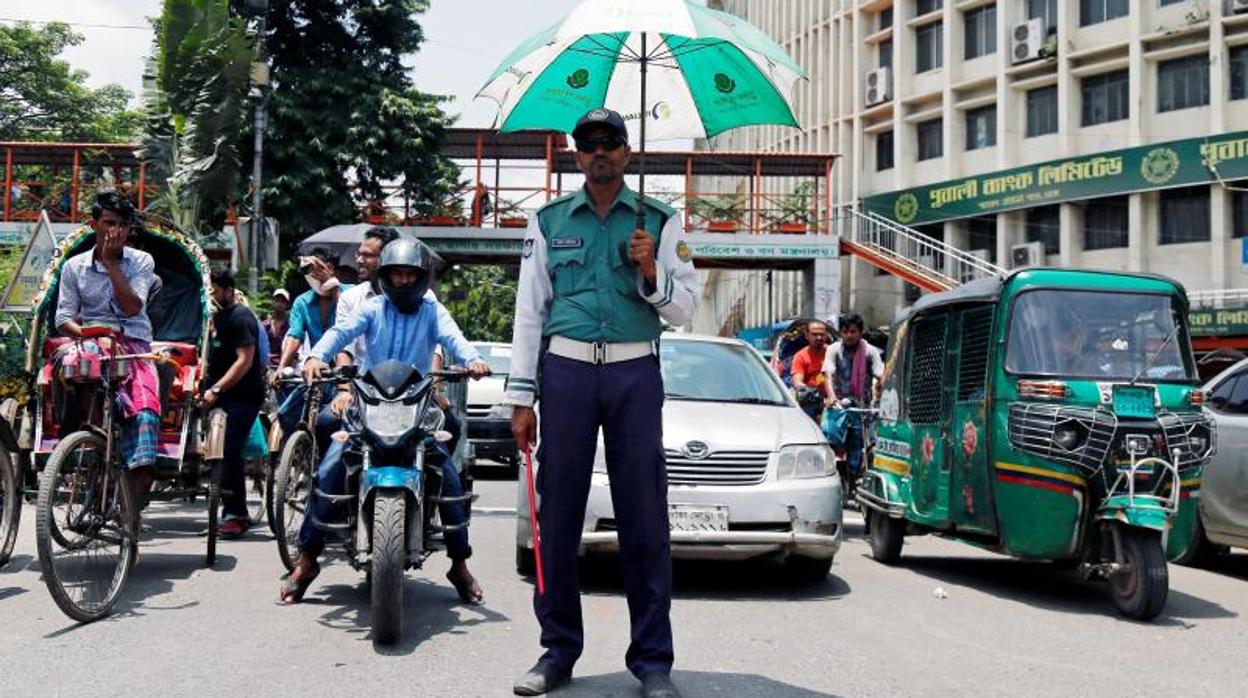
column 601, row 117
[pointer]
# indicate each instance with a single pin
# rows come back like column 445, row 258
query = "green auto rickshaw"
column 1051, row 414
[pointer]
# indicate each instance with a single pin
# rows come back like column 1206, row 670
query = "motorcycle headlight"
column 390, row 419
column 799, row 462
column 500, row 412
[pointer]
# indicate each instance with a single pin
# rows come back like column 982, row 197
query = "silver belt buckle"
column 600, row 352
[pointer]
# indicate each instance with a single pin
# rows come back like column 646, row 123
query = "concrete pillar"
column 1220, row 228
column 822, row 288
column 1070, row 237
column 1010, row 228
column 1138, row 229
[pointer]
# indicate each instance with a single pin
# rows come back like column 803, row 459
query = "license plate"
column 1134, row 401
column 683, row 517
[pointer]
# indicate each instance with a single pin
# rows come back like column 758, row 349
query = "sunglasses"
column 591, row 145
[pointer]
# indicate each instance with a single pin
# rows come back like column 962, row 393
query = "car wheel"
column 526, row 563
column 1200, row 551
column 807, row 569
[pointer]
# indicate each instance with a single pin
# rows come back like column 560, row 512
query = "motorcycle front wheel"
column 387, row 565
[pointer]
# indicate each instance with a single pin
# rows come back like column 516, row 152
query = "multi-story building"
column 1105, row 133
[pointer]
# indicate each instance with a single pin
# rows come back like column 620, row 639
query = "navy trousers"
column 239, row 418
column 626, row 400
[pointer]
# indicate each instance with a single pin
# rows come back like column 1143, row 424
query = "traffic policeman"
column 594, row 293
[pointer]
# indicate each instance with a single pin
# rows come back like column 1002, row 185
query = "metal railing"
column 934, row 261
column 1219, row 298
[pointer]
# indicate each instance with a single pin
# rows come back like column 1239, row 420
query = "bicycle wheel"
column 86, row 501
column 214, row 508
column 292, row 486
column 255, row 472
column 10, row 505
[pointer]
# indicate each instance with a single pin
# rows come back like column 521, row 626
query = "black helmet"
column 406, row 253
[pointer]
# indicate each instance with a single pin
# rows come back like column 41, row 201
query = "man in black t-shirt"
column 235, row 385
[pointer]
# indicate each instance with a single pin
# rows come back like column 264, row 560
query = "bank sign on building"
column 1155, row 166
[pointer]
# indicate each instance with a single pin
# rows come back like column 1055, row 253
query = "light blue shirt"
column 391, row 335
column 86, row 292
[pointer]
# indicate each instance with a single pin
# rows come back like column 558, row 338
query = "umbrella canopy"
column 690, row 71
column 343, row 240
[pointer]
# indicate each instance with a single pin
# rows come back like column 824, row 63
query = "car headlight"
column 500, row 412
column 390, row 419
column 798, row 462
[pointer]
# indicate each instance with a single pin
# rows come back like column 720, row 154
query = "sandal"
column 233, row 529
column 293, row 588
column 469, row 591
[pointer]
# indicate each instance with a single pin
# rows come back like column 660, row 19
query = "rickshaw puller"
column 110, row 285
column 401, row 324
column 854, row 369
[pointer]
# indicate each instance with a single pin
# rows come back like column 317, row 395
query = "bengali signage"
column 1207, row 322
column 40, row 252
column 1155, row 166
column 705, row 246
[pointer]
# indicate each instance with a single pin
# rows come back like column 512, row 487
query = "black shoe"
column 658, row 686
column 542, row 678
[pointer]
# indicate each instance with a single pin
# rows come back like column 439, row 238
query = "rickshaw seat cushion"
column 184, row 354
column 97, row 331
column 51, row 344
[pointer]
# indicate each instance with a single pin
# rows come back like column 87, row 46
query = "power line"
column 86, row 25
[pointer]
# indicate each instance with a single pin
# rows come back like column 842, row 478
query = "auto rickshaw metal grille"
column 927, row 377
column 1178, row 429
column 973, row 364
column 1033, row 428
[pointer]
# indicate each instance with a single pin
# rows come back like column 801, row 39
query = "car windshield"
column 1099, row 335
column 717, row 372
column 498, row 356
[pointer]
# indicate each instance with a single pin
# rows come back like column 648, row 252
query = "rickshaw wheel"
column 214, row 508
column 10, row 505
column 291, row 489
column 257, row 479
column 886, row 536
column 87, row 511
column 1140, row 590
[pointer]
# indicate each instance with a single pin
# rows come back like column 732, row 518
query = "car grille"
column 479, row 411
column 721, row 468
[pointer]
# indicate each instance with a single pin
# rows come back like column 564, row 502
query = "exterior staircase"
column 904, row 252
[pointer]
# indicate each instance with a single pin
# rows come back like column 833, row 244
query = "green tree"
column 43, row 98
column 482, row 299
column 344, row 116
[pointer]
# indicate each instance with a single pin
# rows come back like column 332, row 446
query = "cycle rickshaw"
column 87, row 518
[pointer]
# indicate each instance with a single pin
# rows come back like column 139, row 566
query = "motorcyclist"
column 399, row 324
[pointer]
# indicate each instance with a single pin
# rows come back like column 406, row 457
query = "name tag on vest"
column 566, row 243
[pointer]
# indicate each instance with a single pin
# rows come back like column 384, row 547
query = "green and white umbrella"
column 690, row 71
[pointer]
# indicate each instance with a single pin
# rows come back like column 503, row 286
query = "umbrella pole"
column 641, row 177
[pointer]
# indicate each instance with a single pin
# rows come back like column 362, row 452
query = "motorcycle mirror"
column 348, row 371
column 442, row 436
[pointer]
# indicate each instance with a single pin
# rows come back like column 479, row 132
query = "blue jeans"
column 331, row 478
column 853, row 443
column 291, row 401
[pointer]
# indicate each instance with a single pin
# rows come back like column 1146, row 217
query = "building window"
column 884, row 151
column 981, row 234
column 1105, row 98
column 931, row 255
column 1239, row 211
column 1183, row 83
column 1044, row 225
column 922, row 7
column 1046, row 10
column 886, row 18
column 931, row 144
column 1185, row 215
column 981, row 127
column 1239, row 72
column 1042, row 111
column 1097, row 11
column 886, row 53
column 981, row 31
column 928, row 47
column 1105, row 223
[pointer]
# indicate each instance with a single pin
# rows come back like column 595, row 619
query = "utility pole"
column 260, row 91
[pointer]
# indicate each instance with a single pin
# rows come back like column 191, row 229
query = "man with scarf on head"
column 110, row 285
column 854, row 369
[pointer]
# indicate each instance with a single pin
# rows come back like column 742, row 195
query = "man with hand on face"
column 109, row 285
column 594, row 292
column 235, row 384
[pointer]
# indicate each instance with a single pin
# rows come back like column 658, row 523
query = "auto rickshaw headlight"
column 797, row 462
column 1069, row 435
column 1198, row 441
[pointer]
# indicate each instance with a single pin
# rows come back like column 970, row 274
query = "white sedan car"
column 749, row 474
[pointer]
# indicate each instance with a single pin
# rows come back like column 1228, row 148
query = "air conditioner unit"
column 1238, row 6
column 1027, row 40
column 879, row 86
column 1030, row 254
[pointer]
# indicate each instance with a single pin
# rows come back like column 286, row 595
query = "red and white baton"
column 537, row 536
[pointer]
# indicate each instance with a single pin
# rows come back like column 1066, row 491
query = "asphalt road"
column 1002, row 626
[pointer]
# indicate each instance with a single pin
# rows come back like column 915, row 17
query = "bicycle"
column 293, row 477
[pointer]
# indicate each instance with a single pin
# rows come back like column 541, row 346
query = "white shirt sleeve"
column 677, row 289
column 533, row 296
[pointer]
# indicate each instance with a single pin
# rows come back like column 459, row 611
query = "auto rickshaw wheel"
column 886, row 536
column 1140, row 588
column 10, row 505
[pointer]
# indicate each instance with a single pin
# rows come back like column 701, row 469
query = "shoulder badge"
column 566, row 243
column 682, row 251
column 528, row 248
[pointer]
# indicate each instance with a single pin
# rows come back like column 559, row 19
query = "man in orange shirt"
column 810, row 383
